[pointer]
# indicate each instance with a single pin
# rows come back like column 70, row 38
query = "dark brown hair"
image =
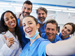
column 5, row 28
column 73, row 27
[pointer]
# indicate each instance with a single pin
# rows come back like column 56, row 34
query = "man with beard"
column 26, row 10
column 42, row 14
column 51, row 30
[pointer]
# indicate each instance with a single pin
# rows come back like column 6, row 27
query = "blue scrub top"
column 36, row 49
column 65, row 38
column 24, row 40
column 57, row 38
column 42, row 29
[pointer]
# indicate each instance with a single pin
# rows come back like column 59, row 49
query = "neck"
column 32, row 40
column 41, row 25
column 12, row 30
column 64, row 37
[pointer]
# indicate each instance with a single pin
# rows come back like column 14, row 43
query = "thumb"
column 5, row 37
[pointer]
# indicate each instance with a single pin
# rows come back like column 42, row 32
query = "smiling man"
column 51, row 30
column 26, row 10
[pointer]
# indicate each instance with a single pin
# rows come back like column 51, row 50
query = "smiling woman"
column 10, row 41
column 39, row 46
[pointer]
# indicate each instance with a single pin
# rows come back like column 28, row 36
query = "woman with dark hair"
column 10, row 37
column 38, row 46
column 67, row 30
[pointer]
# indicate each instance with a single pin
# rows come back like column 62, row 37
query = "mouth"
column 28, row 31
column 25, row 13
column 12, row 24
column 49, row 34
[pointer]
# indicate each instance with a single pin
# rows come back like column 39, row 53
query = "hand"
column 18, row 14
column 9, row 41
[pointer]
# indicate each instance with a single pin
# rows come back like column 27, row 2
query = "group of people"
column 24, row 35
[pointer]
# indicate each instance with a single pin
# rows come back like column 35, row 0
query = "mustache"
column 41, row 17
column 26, row 12
column 49, row 33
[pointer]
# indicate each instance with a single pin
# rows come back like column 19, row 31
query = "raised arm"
column 65, row 47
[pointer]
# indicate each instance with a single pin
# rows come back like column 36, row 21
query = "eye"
column 12, row 17
column 24, row 25
column 6, row 19
column 48, row 28
column 39, row 14
column 52, row 29
column 24, row 7
column 69, row 30
column 42, row 13
column 65, row 27
column 29, row 9
column 30, row 23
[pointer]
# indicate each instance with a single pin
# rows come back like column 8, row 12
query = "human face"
column 9, row 20
column 29, row 26
column 67, row 29
column 41, row 15
column 51, row 31
column 26, row 9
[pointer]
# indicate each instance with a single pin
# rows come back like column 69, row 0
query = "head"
column 68, row 29
column 51, row 29
column 27, row 8
column 9, row 22
column 42, row 14
column 30, row 26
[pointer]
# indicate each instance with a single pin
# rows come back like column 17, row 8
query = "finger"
column 5, row 37
column 10, row 38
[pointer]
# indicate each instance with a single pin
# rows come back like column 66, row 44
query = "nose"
column 10, row 20
column 27, row 26
column 41, row 15
column 65, row 29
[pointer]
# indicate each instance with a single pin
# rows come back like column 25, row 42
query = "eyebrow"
column 28, row 22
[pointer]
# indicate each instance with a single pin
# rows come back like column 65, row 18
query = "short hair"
column 27, row 2
column 42, row 8
column 53, row 22
column 73, row 26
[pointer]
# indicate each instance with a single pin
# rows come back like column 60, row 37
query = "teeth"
column 12, row 23
column 29, row 31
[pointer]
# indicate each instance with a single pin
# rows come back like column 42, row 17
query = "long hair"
column 17, row 31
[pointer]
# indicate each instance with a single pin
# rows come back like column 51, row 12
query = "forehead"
column 26, row 19
column 41, row 11
column 7, row 14
column 50, row 25
column 27, row 5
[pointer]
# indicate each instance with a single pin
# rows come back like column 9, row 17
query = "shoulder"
column 57, row 37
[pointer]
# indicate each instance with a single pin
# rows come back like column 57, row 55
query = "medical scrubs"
column 65, row 38
column 57, row 38
column 36, row 49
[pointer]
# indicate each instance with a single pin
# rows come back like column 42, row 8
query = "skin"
column 66, row 31
column 41, row 15
column 10, row 22
column 51, row 31
column 30, row 27
column 26, row 10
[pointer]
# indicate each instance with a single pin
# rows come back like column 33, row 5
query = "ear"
column 57, row 31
